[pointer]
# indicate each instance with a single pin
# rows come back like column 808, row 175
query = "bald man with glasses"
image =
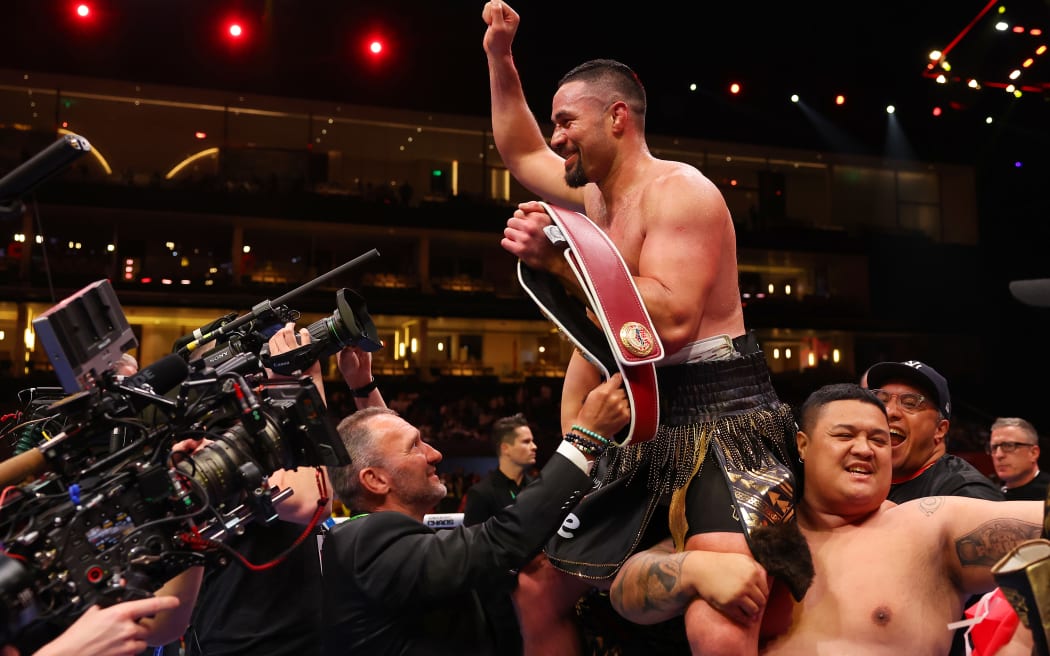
column 1014, row 447
column 919, row 408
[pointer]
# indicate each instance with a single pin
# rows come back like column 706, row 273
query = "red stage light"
column 376, row 45
column 85, row 17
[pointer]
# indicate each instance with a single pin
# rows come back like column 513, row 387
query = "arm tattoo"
column 652, row 583
column 986, row 544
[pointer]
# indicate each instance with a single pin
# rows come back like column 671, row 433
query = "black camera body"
column 349, row 325
column 104, row 527
column 118, row 511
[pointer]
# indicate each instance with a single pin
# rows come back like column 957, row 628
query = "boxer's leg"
column 714, row 526
column 545, row 601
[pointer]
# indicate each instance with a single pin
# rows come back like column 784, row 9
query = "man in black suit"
column 393, row 584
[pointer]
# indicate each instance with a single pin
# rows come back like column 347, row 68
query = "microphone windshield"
column 163, row 375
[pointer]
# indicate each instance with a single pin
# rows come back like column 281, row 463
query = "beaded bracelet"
column 585, row 446
column 591, row 434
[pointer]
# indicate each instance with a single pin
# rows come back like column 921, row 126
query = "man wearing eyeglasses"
column 1014, row 447
column 919, row 409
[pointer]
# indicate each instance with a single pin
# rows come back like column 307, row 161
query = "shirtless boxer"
column 720, row 418
column 889, row 578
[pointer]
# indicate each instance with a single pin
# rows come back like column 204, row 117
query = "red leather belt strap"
column 614, row 299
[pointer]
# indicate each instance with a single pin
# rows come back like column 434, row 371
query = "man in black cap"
column 919, row 408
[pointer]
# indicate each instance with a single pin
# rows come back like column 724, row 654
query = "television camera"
column 109, row 510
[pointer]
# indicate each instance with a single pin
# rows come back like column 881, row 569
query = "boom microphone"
column 42, row 166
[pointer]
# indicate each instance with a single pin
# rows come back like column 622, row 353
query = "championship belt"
column 625, row 340
column 1023, row 575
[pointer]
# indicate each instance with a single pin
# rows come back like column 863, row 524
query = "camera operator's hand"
column 190, row 446
column 287, row 339
column 112, row 631
column 356, row 366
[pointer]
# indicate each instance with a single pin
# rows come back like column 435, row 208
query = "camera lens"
column 221, row 466
column 349, row 325
column 332, row 332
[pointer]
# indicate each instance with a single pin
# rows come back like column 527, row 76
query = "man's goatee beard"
column 575, row 177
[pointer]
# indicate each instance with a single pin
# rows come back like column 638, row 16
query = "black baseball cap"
column 919, row 374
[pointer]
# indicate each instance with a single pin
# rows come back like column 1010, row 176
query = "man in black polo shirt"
column 516, row 450
column 517, row 455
